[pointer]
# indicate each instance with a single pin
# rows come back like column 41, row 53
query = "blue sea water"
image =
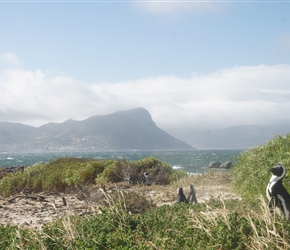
column 196, row 161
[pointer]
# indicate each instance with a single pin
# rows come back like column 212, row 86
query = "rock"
column 226, row 165
column 11, row 169
column 214, row 164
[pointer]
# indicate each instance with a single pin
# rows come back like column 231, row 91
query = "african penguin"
column 192, row 195
column 145, row 178
column 276, row 193
column 180, row 196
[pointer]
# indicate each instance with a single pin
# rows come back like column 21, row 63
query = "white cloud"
column 234, row 96
column 9, row 59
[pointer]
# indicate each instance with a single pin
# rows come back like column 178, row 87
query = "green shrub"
column 7, row 234
column 11, row 237
column 250, row 174
column 67, row 173
column 159, row 172
column 112, row 172
column 90, row 171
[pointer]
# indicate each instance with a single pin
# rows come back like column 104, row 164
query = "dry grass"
column 213, row 184
column 267, row 228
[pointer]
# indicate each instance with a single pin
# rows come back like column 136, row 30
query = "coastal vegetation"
column 118, row 222
column 250, row 173
column 65, row 174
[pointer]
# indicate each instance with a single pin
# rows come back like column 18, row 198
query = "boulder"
column 214, row 164
column 226, row 165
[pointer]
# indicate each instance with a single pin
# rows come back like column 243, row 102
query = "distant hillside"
column 236, row 137
column 124, row 130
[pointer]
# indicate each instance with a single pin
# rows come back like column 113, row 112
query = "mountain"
column 236, row 137
column 123, row 130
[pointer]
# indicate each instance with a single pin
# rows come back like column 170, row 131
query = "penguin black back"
column 277, row 194
column 180, row 196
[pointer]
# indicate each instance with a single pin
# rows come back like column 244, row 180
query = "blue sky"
column 189, row 63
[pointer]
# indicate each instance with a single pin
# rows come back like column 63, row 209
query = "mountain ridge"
column 123, row 130
column 128, row 130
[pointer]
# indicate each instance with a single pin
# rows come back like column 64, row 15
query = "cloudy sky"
column 199, row 64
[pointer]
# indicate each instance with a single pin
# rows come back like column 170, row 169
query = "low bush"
column 7, row 234
column 67, row 173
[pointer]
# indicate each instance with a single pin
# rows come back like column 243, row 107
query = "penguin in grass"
column 277, row 194
column 145, row 178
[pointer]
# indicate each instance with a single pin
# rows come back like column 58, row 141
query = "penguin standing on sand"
column 192, row 195
column 180, row 196
column 277, row 194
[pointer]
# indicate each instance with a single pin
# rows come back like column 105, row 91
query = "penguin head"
column 180, row 190
column 278, row 171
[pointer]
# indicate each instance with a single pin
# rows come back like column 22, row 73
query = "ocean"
column 195, row 161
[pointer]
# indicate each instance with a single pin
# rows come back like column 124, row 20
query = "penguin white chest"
column 269, row 189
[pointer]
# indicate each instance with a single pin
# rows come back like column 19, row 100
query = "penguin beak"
column 270, row 170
